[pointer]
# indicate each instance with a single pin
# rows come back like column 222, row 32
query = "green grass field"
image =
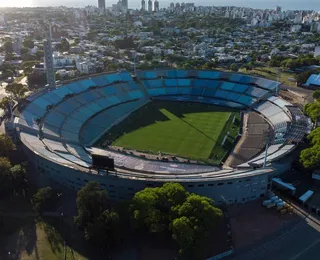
column 190, row 130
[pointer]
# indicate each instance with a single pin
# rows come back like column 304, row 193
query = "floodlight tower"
column 278, row 79
column 48, row 60
column 134, row 63
column 268, row 137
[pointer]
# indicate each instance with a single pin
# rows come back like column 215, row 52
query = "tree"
column 104, row 231
column 43, row 200
column 7, row 73
column 310, row 157
column 316, row 94
column 5, row 167
column 184, row 233
column 151, row 207
column 234, row 67
column 200, row 217
column 28, row 43
column 8, row 47
column 39, row 54
column 149, row 56
column 24, row 50
column 313, row 110
column 91, row 202
column 18, row 91
column 28, row 57
column 19, row 178
column 6, row 102
column 65, row 45
column 6, row 145
column 190, row 218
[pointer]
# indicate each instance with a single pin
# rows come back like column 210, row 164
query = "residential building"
column 62, row 61
column 17, row 44
column 57, row 32
column 296, row 28
column 88, row 66
column 2, row 19
column 317, row 51
column 2, row 58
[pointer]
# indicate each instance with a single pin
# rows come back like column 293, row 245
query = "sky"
column 285, row 4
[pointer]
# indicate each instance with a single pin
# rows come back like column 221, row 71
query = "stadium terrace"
column 61, row 129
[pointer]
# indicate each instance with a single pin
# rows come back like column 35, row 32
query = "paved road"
column 300, row 242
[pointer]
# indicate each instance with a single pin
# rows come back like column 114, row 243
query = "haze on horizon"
column 285, row 4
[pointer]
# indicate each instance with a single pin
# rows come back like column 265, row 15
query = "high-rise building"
column 278, row 9
column 124, row 5
column 156, row 6
column 102, row 4
column 150, row 6
column 143, row 5
column 17, row 44
column 48, row 61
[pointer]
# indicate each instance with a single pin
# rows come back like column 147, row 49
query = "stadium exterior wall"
column 237, row 190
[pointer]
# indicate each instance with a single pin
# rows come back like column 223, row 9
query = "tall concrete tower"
column 48, row 60
column 150, row 6
column 143, row 5
column 124, row 5
column 102, row 4
column 156, row 6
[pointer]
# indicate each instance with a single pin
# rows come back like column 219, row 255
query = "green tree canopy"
column 5, row 167
column 313, row 110
column 6, row 145
column 190, row 218
column 310, row 157
column 39, row 54
column 91, row 202
column 18, row 178
column 24, row 50
column 104, row 230
column 234, row 67
column 6, row 102
column 8, row 47
column 43, row 200
column 152, row 206
column 6, row 73
column 316, row 94
column 28, row 43
column 18, row 91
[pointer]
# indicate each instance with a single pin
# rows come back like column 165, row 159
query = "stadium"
column 219, row 134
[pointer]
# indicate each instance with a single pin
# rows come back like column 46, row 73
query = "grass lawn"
column 189, row 130
column 28, row 239
column 271, row 73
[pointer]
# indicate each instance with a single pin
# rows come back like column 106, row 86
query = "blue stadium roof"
column 314, row 79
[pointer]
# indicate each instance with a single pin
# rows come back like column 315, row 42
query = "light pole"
column 267, row 136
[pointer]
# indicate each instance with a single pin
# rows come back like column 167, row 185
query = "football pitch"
column 191, row 130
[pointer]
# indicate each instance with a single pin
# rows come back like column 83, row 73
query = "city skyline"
column 135, row 4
